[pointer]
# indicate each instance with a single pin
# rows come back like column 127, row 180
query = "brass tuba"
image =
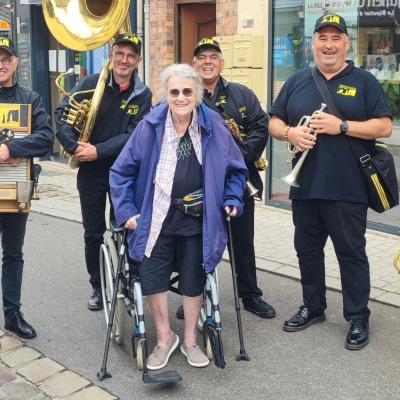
column 85, row 25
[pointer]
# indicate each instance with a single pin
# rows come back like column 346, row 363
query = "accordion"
column 15, row 181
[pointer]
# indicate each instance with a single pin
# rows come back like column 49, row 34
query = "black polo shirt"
column 330, row 170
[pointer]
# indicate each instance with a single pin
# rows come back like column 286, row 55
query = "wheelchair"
column 122, row 296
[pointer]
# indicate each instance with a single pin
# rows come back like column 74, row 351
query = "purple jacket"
column 224, row 180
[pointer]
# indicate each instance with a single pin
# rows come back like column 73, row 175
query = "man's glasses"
column 187, row 92
column 119, row 55
column 5, row 61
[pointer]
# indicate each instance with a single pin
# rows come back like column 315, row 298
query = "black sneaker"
column 95, row 302
column 179, row 313
column 16, row 323
column 258, row 306
column 357, row 337
column 302, row 320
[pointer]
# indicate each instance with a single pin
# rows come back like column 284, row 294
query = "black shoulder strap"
column 325, row 93
column 357, row 149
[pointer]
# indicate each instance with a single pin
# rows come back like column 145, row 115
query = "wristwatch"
column 344, row 127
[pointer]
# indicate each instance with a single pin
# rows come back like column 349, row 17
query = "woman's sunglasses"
column 187, row 92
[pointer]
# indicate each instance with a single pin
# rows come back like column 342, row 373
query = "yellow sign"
column 10, row 115
column 345, row 90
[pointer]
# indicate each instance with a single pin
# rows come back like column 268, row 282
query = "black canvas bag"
column 378, row 169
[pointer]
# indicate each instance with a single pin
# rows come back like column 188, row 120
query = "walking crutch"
column 103, row 373
column 242, row 356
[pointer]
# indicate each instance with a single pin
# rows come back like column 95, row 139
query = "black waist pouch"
column 191, row 204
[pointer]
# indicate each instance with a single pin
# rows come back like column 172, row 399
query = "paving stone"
column 20, row 391
column 390, row 298
column 63, row 384
column 6, row 375
column 39, row 370
column 20, row 356
column 8, row 343
column 91, row 393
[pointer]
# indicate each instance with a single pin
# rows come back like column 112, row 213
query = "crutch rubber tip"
column 243, row 357
column 103, row 374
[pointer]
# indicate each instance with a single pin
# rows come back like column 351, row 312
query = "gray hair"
column 180, row 71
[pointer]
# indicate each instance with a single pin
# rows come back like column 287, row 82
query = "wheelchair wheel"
column 203, row 314
column 108, row 255
column 208, row 348
column 139, row 355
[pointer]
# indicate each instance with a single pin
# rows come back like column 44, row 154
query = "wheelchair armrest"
column 115, row 228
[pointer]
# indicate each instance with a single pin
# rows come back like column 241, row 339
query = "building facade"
column 263, row 45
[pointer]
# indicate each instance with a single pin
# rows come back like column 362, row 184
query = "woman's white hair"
column 180, row 71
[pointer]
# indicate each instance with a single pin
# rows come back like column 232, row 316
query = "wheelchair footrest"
column 162, row 377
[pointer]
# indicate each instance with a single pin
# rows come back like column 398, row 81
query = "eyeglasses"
column 5, row 61
column 119, row 55
column 187, row 92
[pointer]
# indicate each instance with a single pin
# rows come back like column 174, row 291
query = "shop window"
column 375, row 46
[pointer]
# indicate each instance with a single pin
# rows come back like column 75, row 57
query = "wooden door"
column 196, row 21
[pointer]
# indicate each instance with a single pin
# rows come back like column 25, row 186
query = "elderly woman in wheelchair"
column 178, row 174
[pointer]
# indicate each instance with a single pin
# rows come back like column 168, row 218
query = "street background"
column 303, row 365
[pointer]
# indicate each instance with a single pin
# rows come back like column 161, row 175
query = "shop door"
column 196, row 21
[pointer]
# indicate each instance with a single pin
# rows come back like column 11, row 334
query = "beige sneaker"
column 195, row 356
column 159, row 357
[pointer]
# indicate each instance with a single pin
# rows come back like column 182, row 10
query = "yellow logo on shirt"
column 222, row 99
column 132, row 109
column 345, row 90
column 243, row 112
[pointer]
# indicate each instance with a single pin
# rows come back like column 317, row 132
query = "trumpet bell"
column 290, row 180
column 84, row 25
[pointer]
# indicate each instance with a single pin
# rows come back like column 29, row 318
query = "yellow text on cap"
column 331, row 18
column 131, row 38
column 4, row 42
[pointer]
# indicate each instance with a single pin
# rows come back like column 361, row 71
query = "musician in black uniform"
column 125, row 101
column 12, row 226
column 232, row 100
column 332, row 197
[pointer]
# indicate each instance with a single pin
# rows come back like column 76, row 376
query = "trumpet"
column 291, row 179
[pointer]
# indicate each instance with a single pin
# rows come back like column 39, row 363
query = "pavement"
column 273, row 236
column 28, row 374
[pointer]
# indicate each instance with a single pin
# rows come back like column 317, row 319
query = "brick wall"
column 226, row 11
column 162, row 32
column 162, row 35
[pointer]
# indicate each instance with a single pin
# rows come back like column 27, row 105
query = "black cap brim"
column 206, row 46
column 340, row 28
column 9, row 51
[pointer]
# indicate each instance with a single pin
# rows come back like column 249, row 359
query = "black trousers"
column 243, row 243
column 12, row 230
column 345, row 223
column 93, row 190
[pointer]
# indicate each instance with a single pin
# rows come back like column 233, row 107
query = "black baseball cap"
column 129, row 38
column 8, row 45
column 206, row 43
column 331, row 20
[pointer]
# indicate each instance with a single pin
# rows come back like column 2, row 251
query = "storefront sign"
column 313, row 9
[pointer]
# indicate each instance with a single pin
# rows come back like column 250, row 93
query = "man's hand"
column 86, row 152
column 231, row 211
column 131, row 224
column 4, row 153
column 14, row 161
column 325, row 123
column 301, row 138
